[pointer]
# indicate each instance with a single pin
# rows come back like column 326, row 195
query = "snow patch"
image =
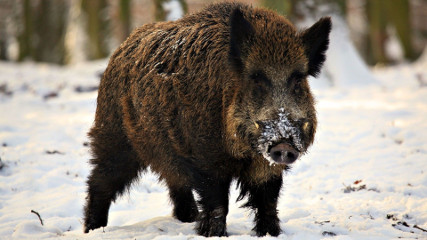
column 344, row 67
column 343, row 63
column 29, row 229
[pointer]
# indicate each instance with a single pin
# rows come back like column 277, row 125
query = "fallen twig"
column 54, row 152
column 38, row 215
column 422, row 229
column 322, row 222
column 50, row 95
column 328, row 234
column 83, row 89
column 349, row 189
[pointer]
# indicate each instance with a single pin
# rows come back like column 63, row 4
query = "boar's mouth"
column 279, row 141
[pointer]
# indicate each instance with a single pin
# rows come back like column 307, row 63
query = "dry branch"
column 38, row 215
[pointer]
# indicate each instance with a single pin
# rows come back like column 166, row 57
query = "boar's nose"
column 284, row 153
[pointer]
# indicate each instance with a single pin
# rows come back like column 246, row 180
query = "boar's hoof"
column 92, row 225
column 284, row 153
column 210, row 225
column 270, row 226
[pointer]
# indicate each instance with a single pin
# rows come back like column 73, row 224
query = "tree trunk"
column 24, row 38
column 398, row 14
column 96, row 28
column 394, row 13
column 377, row 31
column 42, row 37
column 125, row 18
column 5, row 13
column 49, row 31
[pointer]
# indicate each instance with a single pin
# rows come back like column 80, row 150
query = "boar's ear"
column 240, row 33
column 316, row 42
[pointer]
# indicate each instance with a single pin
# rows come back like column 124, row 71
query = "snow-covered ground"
column 364, row 178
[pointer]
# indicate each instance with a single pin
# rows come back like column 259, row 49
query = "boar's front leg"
column 263, row 200
column 214, row 206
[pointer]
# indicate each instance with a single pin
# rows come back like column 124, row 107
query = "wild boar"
column 216, row 96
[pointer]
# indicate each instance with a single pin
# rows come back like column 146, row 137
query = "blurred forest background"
column 69, row 31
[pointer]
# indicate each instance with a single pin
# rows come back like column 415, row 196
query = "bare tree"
column 97, row 27
column 383, row 14
column 125, row 18
column 42, row 35
column 5, row 12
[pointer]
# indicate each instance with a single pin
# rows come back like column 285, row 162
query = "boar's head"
column 273, row 110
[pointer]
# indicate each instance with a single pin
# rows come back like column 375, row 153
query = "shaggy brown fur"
column 191, row 99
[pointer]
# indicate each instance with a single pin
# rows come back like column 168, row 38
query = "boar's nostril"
column 276, row 154
column 284, row 153
column 292, row 156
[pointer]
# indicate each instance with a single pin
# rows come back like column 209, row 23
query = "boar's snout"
column 281, row 139
column 284, row 153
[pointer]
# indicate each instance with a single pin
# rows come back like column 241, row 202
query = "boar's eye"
column 259, row 78
column 260, row 86
column 296, row 76
column 294, row 81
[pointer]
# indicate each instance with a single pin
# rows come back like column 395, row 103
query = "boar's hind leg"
column 185, row 208
column 214, row 205
column 263, row 200
column 115, row 166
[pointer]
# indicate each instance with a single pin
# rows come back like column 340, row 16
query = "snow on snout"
column 275, row 130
